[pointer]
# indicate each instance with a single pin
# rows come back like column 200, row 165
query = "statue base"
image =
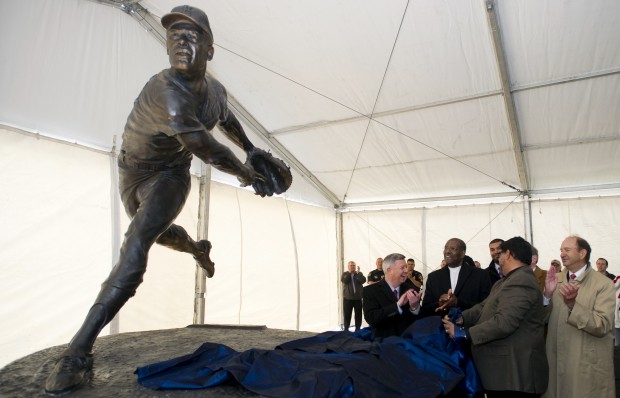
column 117, row 357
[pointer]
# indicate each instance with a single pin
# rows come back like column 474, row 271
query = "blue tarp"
column 422, row 362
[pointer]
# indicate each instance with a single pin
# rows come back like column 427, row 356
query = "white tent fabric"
column 405, row 122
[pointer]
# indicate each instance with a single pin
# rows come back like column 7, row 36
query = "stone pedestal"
column 118, row 356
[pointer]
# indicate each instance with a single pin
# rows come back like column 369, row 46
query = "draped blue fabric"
column 423, row 362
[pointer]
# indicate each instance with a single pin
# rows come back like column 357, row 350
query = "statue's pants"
column 153, row 199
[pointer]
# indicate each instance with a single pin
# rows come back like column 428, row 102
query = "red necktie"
column 573, row 276
column 396, row 293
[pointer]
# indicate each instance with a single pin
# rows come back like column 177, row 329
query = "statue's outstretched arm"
column 209, row 150
column 233, row 131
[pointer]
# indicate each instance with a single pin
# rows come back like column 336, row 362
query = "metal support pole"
column 115, row 209
column 203, row 233
column 340, row 255
column 527, row 219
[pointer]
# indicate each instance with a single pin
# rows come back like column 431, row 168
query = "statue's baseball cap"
column 187, row 13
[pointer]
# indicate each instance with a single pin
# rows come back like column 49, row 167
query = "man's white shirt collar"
column 454, row 276
column 580, row 271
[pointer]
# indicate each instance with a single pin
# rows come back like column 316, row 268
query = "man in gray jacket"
column 506, row 330
column 352, row 292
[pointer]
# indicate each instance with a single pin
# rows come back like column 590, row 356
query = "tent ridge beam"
column 594, row 140
column 582, row 188
column 435, row 199
column 140, row 14
column 360, row 117
column 511, row 112
column 602, row 189
column 570, row 79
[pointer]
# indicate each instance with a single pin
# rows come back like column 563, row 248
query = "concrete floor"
column 118, row 356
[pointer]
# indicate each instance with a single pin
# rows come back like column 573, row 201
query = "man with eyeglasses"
column 580, row 337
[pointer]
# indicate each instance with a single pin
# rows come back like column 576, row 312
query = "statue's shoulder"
column 215, row 87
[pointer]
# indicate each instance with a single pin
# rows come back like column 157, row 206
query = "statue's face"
column 189, row 48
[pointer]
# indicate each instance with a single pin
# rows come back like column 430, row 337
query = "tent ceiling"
column 376, row 102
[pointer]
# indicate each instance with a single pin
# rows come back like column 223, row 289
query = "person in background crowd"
column 456, row 285
column 601, row 266
column 352, row 292
column 477, row 264
column 506, row 330
column 494, row 270
column 557, row 265
column 376, row 275
column 414, row 276
column 581, row 322
column 393, row 303
column 540, row 274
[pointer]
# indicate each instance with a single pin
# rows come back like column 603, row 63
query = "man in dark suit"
column 456, row 285
column 506, row 330
column 392, row 304
column 494, row 270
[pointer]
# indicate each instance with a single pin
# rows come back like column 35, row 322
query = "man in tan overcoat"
column 580, row 339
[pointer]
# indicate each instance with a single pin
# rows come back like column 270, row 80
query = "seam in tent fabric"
column 240, row 258
column 493, row 219
column 374, row 106
column 290, row 221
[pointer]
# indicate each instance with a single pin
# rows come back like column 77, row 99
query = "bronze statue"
column 170, row 122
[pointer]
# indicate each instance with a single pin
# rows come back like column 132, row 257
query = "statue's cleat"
column 72, row 370
column 203, row 260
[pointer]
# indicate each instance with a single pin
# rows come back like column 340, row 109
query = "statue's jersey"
column 165, row 108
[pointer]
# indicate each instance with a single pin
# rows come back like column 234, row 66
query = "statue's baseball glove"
column 278, row 177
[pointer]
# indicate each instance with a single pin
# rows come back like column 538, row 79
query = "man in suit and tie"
column 456, row 285
column 494, row 270
column 393, row 303
column 506, row 330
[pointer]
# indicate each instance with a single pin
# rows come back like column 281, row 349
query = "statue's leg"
column 176, row 238
column 154, row 200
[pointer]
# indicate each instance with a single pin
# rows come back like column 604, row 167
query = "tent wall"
column 276, row 260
